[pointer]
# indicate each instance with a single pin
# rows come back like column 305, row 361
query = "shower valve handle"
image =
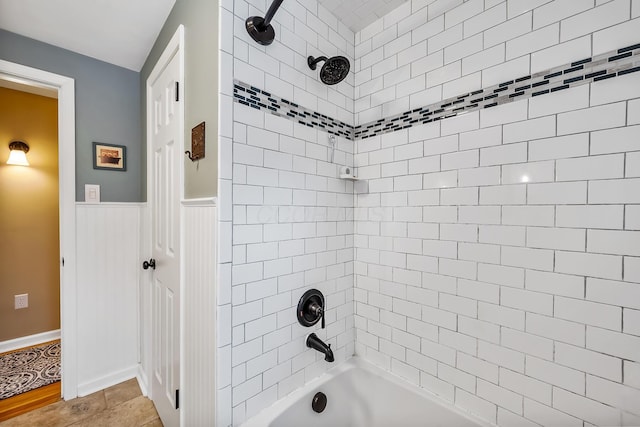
column 317, row 311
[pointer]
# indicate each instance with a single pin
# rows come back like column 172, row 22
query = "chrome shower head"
column 333, row 71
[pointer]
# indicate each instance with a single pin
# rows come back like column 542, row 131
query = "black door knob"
column 151, row 263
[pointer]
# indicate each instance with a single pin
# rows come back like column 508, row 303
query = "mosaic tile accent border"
column 262, row 100
column 601, row 67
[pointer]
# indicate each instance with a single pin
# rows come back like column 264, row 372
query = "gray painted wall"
column 200, row 19
column 107, row 110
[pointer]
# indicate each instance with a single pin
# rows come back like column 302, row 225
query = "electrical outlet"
column 21, row 301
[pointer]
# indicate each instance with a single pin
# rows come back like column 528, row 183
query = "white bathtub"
column 361, row 395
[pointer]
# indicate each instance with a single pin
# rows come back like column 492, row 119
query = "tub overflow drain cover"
column 319, row 402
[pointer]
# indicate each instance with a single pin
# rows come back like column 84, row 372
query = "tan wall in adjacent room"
column 29, row 223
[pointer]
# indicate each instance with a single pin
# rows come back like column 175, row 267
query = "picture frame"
column 109, row 156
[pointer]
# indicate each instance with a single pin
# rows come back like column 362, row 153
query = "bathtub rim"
column 264, row 417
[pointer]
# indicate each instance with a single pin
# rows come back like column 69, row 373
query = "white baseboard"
column 29, row 341
column 142, row 381
column 107, row 381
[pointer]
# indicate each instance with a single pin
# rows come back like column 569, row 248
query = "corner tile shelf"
column 349, row 177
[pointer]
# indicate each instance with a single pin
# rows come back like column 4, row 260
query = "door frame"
column 174, row 47
column 67, row 206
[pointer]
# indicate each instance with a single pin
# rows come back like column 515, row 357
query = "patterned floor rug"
column 29, row 369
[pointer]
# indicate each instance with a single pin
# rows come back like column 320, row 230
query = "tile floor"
column 122, row 405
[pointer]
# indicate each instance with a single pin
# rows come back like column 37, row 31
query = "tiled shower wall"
column 498, row 253
column 286, row 219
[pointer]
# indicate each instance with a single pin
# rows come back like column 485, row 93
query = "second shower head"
column 333, row 71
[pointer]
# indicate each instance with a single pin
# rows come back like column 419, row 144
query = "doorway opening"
column 38, row 80
column 29, row 206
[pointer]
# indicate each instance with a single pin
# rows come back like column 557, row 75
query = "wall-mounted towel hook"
column 192, row 158
column 197, row 143
column 260, row 29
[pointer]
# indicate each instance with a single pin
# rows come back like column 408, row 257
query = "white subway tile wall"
column 491, row 258
column 532, row 262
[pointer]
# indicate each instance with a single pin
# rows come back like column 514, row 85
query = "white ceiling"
column 357, row 14
column 121, row 32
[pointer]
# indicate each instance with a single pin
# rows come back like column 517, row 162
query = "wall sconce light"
column 18, row 153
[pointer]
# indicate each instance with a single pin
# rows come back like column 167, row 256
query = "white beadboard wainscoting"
column 108, row 255
column 199, row 263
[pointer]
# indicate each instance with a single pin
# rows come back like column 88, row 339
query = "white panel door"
column 165, row 164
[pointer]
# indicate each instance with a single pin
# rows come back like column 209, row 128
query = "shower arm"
column 260, row 29
column 270, row 13
column 312, row 62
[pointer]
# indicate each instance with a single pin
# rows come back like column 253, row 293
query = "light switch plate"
column 91, row 193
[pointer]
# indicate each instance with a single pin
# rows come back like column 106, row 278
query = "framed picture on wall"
column 109, row 156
